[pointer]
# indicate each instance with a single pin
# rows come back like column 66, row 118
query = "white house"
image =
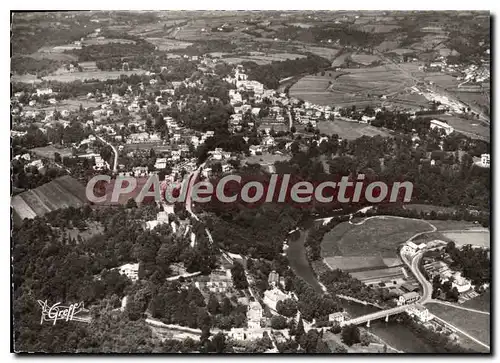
column 254, row 315
column 441, row 126
column 408, row 298
column 420, row 312
column 161, row 163
column 485, row 160
column 338, row 317
column 130, row 270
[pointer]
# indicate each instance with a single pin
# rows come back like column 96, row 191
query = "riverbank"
column 392, row 333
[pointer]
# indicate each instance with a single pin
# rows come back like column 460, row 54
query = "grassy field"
column 477, row 325
column 49, row 151
column 60, row 193
column 376, row 237
column 481, row 302
column 265, row 158
column 449, row 225
column 365, row 59
column 100, row 75
column 349, row 130
column 328, row 53
column 164, row 44
column 472, row 128
column 381, row 274
column 474, row 238
column 359, row 86
column 263, row 58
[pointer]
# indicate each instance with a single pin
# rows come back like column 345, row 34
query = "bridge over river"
column 377, row 315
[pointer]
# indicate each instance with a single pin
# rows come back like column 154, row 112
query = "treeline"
column 41, row 67
column 340, row 282
column 205, row 46
column 113, row 50
column 315, row 237
column 270, row 74
column 440, row 342
column 474, row 263
column 254, row 232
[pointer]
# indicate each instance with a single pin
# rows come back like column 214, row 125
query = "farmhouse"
column 485, row 160
column 130, row 270
column 441, row 126
column 337, row 317
column 408, row 298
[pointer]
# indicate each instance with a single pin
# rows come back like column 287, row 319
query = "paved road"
column 453, row 327
column 115, row 162
column 192, row 179
column 426, row 285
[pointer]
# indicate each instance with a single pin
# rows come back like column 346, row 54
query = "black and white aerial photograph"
column 251, row 181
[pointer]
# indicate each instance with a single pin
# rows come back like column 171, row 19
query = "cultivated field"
column 472, row 128
column 100, row 75
column 328, row 53
column 49, row 151
column 378, row 28
column 376, row 237
column 337, row 62
column 55, row 56
column 25, row 78
column 477, row 325
column 349, row 130
column 481, row 302
column 473, row 238
column 380, row 274
column 265, row 158
column 60, row 193
column 357, row 86
column 164, row 44
column 365, row 59
column 263, row 58
column 97, row 41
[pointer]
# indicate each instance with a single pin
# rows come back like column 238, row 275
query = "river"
column 394, row 334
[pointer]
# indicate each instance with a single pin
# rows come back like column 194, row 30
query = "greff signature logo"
column 60, row 312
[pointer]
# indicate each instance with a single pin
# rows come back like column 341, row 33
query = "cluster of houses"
column 441, row 269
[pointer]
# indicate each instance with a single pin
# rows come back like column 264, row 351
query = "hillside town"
column 163, row 276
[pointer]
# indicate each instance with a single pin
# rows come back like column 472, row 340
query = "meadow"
column 477, row 325
column 375, row 237
column 350, row 130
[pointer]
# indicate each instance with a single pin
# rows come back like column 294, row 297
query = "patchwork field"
column 349, row 130
column 477, row 325
column 60, row 193
column 359, row 86
column 375, row 237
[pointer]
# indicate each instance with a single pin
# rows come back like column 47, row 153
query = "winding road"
column 115, row 162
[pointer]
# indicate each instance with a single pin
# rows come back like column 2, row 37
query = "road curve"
column 115, row 162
